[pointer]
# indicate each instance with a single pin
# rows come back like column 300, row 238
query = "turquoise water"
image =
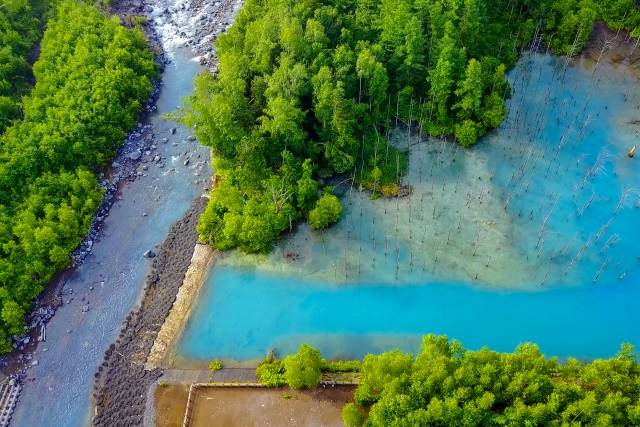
column 529, row 236
column 246, row 314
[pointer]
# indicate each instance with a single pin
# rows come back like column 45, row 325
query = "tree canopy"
column 448, row 385
column 92, row 76
column 306, row 90
column 303, row 369
column 568, row 23
column 326, row 212
column 319, row 83
column 20, row 23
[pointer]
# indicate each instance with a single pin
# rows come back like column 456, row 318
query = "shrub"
column 271, row 373
column 326, row 212
column 342, row 366
column 352, row 415
column 215, row 365
column 303, row 369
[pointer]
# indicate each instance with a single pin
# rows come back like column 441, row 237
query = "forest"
column 448, row 385
column 20, row 27
column 91, row 77
column 309, row 90
column 306, row 95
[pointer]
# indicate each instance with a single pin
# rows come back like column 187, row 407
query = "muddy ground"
column 170, row 404
column 247, row 407
column 617, row 45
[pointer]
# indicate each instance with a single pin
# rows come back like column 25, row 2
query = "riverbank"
column 137, row 153
column 97, row 295
column 201, row 261
column 122, row 380
column 615, row 46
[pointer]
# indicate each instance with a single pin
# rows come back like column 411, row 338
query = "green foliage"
column 320, row 83
column 303, row 369
column 20, row 23
column 568, row 23
column 136, row 20
column 271, row 373
column 326, row 212
column 91, row 77
column 215, row 365
column 341, row 366
column 352, row 415
column 312, row 86
column 466, row 132
column 448, row 385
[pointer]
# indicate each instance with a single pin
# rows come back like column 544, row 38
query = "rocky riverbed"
column 178, row 23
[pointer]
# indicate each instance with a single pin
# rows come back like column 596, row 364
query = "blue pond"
column 530, row 236
column 246, row 314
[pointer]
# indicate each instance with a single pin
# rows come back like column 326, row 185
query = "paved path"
column 191, row 376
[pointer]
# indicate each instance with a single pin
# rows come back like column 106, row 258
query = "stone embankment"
column 122, row 380
column 203, row 256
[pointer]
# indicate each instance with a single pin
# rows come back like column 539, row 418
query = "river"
column 57, row 391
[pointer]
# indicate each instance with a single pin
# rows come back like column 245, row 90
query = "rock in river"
column 135, row 155
column 149, row 254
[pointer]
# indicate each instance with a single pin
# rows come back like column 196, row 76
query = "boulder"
column 135, row 155
column 149, row 254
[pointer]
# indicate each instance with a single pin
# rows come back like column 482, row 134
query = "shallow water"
column 247, row 314
column 57, row 392
column 530, row 235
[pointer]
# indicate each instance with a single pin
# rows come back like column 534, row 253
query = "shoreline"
column 121, row 170
column 201, row 261
column 122, row 380
column 617, row 43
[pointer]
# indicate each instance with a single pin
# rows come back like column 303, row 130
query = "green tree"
column 91, row 78
column 467, row 132
column 472, row 26
column 469, row 91
column 324, row 81
column 303, row 369
column 441, row 82
column 448, row 385
column 326, row 212
column 307, row 187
